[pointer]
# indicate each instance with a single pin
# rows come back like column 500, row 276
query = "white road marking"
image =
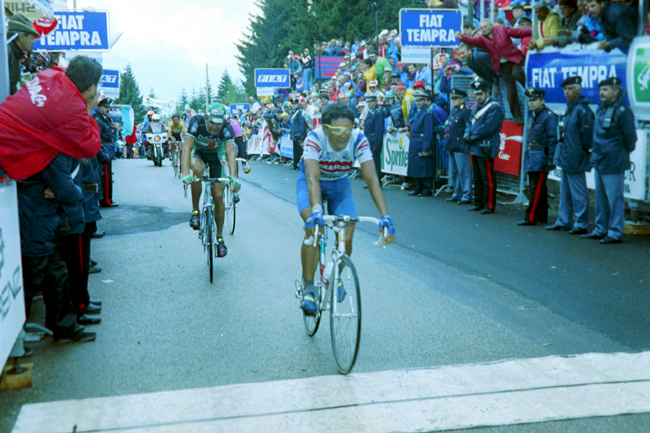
column 451, row 397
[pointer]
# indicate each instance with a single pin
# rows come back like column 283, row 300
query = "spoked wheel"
column 175, row 164
column 345, row 315
column 312, row 322
column 209, row 241
column 231, row 211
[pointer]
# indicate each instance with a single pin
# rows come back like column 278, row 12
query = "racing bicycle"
column 337, row 291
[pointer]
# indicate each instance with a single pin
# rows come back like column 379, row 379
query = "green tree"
column 197, row 100
column 130, row 94
column 183, row 100
column 152, row 94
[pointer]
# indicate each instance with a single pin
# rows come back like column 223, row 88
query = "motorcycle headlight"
column 157, row 138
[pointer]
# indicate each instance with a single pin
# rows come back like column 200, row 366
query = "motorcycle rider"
column 155, row 127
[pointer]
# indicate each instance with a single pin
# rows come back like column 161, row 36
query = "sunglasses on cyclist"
column 340, row 130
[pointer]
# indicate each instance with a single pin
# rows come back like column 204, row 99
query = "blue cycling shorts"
column 338, row 194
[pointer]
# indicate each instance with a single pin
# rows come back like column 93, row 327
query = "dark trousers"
column 75, row 250
column 297, row 152
column 423, row 183
column 485, row 184
column 129, row 151
column 107, row 184
column 49, row 275
column 376, row 157
column 512, row 72
column 537, row 210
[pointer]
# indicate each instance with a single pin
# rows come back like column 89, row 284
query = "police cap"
column 480, row 85
column 572, row 80
column 457, row 93
column 371, row 96
column 611, row 81
column 534, row 93
column 419, row 94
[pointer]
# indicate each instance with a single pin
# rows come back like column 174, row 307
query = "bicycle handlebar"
column 206, row 179
column 313, row 240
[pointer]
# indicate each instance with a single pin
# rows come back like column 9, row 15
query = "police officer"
column 538, row 160
column 299, row 131
column 107, row 155
column 482, row 140
column 459, row 168
column 614, row 139
column 572, row 156
column 420, row 163
column 373, row 129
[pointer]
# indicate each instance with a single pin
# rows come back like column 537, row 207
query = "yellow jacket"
column 549, row 27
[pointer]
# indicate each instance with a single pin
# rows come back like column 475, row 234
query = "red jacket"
column 500, row 45
column 46, row 116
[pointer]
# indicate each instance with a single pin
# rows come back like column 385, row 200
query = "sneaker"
column 246, row 167
column 222, row 250
column 195, row 220
column 308, row 304
column 340, row 291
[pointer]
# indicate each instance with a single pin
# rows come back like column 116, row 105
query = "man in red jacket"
column 506, row 58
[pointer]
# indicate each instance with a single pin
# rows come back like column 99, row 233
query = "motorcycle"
column 157, row 141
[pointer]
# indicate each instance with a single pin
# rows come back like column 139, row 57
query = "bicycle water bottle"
column 326, row 274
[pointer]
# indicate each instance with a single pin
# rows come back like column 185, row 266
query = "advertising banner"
column 275, row 78
column 638, row 79
column 547, row 69
column 634, row 186
column 509, row 158
column 326, row 67
column 254, row 145
column 243, row 107
column 416, row 55
column 12, row 298
column 77, row 30
column 110, row 82
column 286, row 146
column 430, row 27
column 395, row 154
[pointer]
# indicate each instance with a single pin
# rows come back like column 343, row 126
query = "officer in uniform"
column 459, row 168
column 614, row 139
column 107, row 155
column 482, row 140
column 420, row 163
column 572, row 156
column 373, row 129
column 538, row 161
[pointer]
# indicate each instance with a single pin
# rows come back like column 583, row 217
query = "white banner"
column 395, row 154
column 12, row 297
column 265, row 91
column 634, row 184
column 416, row 55
column 259, row 143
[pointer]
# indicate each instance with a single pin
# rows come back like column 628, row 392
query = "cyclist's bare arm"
column 231, row 155
column 188, row 143
column 369, row 174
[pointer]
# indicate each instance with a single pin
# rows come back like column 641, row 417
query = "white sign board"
column 12, row 297
column 395, row 154
column 634, row 180
column 416, row 55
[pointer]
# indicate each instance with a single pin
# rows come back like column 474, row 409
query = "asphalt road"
column 456, row 288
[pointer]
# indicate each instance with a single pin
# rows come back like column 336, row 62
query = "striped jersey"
column 336, row 165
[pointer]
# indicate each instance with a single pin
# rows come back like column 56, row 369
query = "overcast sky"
column 169, row 42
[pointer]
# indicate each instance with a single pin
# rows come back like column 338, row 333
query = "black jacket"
column 456, row 129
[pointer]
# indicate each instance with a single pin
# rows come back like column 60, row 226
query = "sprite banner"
column 395, row 154
column 638, row 78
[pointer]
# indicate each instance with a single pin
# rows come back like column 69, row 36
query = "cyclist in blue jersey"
column 210, row 140
column 329, row 154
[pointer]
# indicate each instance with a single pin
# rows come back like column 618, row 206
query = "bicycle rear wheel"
column 312, row 322
column 231, row 211
column 209, row 241
column 345, row 315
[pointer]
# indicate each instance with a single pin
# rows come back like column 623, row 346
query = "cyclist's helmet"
column 150, row 113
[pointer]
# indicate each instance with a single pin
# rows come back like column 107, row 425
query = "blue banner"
column 326, row 67
column 243, row 107
column 430, row 27
column 286, row 146
column 547, row 69
column 276, row 78
column 86, row 31
column 110, row 79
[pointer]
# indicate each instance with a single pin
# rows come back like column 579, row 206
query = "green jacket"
column 14, row 54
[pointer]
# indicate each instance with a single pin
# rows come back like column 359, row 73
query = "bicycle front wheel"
column 345, row 314
column 209, row 240
column 231, row 211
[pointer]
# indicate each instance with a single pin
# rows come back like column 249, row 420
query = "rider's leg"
column 308, row 253
column 198, row 168
column 349, row 233
column 219, row 206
